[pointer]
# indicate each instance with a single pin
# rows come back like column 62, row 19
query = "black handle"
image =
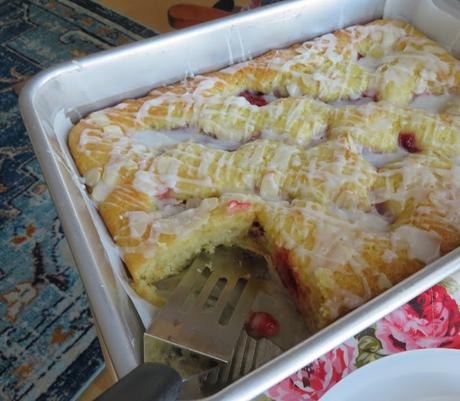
column 148, row 382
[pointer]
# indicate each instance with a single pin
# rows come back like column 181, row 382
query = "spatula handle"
column 148, row 382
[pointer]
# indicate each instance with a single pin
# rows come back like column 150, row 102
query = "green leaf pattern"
column 369, row 349
column 451, row 285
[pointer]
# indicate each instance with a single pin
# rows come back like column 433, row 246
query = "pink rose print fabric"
column 314, row 380
column 431, row 320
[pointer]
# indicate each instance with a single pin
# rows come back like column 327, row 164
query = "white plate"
column 422, row 375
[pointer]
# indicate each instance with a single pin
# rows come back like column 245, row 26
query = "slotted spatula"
column 198, row 337
column 207, row 311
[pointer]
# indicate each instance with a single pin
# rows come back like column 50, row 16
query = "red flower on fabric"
column 313, row 381
column 431, row 320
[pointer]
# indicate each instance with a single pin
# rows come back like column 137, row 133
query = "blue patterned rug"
column 48, row 345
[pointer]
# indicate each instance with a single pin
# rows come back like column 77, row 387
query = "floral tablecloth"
column 431, row 320
column 49, row 348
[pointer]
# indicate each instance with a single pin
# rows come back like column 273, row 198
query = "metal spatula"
column 199, row 337
column 207, row 311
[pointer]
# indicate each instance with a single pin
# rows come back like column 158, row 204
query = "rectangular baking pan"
column 57, row 98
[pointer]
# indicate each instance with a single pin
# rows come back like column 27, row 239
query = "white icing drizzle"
column 169, row 223
column 269, row 188
column 382, row 159
column 370, row 63
column 419, row 176
column 166, row 139
column 432, row 103
column 389, row 256
column 421, row 245
column 270, row 97
column 101, row 190
column 351, row 102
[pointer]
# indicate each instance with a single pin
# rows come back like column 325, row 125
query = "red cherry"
column 165, row 194
column 255, row 98
column 381, row 208
column 408, row 142
column 262, row 324
column 237, row 205
column 371, row 94
column 384, row 211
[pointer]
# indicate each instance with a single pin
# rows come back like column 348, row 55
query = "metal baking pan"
column 57, row 98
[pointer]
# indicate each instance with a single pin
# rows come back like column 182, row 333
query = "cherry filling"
column 237, row 205
column 408, row 142
column 256, row 230
column 256, row 135
column 381, row 208
column 385, row 212
column 372, row 94
column 255, row 98
column 166, row 194
column 262, row 324
column 281, row 261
